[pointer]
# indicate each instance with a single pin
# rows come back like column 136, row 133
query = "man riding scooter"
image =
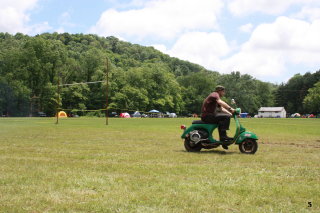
column 216, row 111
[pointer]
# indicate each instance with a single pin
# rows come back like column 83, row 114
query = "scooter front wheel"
column 248, row 146
column 191, row 147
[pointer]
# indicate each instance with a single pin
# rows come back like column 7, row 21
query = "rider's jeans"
column 223, row 120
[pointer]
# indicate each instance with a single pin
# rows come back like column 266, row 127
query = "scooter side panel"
column 245, row 135
column 208, row 127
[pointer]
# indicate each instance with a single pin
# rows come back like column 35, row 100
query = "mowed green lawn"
column 140, row 165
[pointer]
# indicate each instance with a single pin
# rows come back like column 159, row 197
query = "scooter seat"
column 198, row 122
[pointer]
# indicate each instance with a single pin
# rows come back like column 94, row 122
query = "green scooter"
column 199, row 135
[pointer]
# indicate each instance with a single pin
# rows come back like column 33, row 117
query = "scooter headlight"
column 238, row 111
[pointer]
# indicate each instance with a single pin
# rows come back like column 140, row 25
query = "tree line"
column 140, row 78
column 300, row 94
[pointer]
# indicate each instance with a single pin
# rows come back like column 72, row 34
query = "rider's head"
column 220, row 89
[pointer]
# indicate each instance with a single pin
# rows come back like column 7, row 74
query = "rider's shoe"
column 226, row 139
column 225, row 146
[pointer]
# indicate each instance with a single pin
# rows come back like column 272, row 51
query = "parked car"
column 172, row 115
column 42, row 114
column 144, row 115
column 113, row 114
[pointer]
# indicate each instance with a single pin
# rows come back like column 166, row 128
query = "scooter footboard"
column 245, row 135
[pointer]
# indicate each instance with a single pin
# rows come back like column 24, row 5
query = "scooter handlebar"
column 237, row 111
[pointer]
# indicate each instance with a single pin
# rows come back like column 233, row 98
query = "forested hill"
column 140, row 78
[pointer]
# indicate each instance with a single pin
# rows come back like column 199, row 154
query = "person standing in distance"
column 216, row 111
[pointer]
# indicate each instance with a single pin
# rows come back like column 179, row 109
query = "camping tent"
column 62, row 114
column 155, row 113
column 136, row 114
column 124, row 115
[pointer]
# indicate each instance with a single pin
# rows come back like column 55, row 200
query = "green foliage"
column 250, row 94
column 95, row 114
column 14, row 98
column 140, row 78
column 312, row 100
column 75, row 96
column 292, row 94
column 195, row 88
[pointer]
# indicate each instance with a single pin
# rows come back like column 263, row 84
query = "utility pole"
column 107, row 89
column 58, row 99
column 31, row 109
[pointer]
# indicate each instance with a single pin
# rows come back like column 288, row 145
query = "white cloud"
column 19, row 5
column 265, row 55
column 193, row 29
column 160, row 19
column 247, row 28
column 65, row 20
column 262, row 64
column 203, row 48
column 309, row 13
column 60, row 30
column 125, row 5
column 272, row 7
column 11, row 20
column 38, row 28
column 273, row 46
column 160, row 47
column 289, row 36
column 14, row 17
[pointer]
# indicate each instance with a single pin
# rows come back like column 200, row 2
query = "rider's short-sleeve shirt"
column 210, row 104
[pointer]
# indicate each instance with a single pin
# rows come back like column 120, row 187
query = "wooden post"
column 31, row 109
column 107, row 86
column 58, row 100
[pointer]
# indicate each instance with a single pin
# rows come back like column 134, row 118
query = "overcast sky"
column 269, row 39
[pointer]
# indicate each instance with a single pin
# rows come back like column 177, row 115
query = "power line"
column 292, row 90
column 90, row 82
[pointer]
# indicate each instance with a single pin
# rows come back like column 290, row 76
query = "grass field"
column 140, row 165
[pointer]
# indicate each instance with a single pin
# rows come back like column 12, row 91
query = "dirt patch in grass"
column 301, row 145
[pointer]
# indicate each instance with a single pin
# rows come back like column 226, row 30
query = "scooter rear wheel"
column 190, row 147
column 248, row 146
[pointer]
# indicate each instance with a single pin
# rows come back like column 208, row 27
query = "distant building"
column 272, row 112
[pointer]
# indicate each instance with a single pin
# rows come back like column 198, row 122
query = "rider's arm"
column 225, row 105
column 225, row 111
